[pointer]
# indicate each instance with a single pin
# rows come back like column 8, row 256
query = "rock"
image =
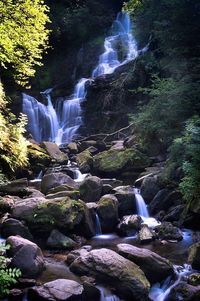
column 109, row 267
column 6, row 204
column 130, row 141
column 52, row 180
column 163, row 200
column 91, row 292
column 91, row 189
column 27, row 256
column 57, row 240
column 74, row 194
column 84, row 161
column 88, row 143
column 12, row 226
column 116, row 161
column 112, row 182
column 24, row 208
column 184, row 291
column 146, row 235
column 155, row 267
column 107, row 211
column 174, row 213
column 76, row 253
column 57, row 290
column 16, row 187
column 126, row 198
column 194, row 255
column 194, row 279
column 54, row 152
column 73, row 148
column 119, row 145
column 38, row 157
column 167, row 231
column 129, row 225
column 149, row 188
column 106, row 189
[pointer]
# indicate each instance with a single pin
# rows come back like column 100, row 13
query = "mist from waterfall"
column 60, row 122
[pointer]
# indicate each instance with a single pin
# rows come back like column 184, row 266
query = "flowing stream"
column 60, row 122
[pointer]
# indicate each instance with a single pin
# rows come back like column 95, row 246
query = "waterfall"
column 159, row 292
column 98, row 230
column 106, row 294
column 141, row 205
column 61, row 123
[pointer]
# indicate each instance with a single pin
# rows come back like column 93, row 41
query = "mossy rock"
column 84, row 161
column 115, row 161
column 38, row 157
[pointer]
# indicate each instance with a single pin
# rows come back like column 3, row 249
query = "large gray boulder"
column 52, row 180
column 57, row 290
column 26, row 256
column 54, row 152
column 167, row 231
column 108, row 266
column 155, row 267
column 91, row 189
column 12, row 226
column 126, row 198
column 57, row 240
column 107, row 209
column 129, row 225
column 149, row 188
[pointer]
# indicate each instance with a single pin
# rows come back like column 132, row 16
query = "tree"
column 23, row 36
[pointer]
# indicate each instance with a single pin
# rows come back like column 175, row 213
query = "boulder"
column 54, row 152
column 73, row 194
column 52, row 180
column 174, row 213
column 73, row 148
column 91, row 189
column 24, row 208
column 38, row 157
column 26, row 256
column 113, row 162
column 163, row 200
column 57, row 290
column 78, row 252
column 167, row 231
column 57, row 240
column 6, row 204
column 194, row 279
column 84, row 161
column 194, row 255
column 112, row 182
column 149, row 188
column 111, row 268
column 107, row 211
column 129, row 225
column 126, row 198
column 155, row 267
column 12, row 226
column 16, row 187
column 184, row 291
column 106, row 189
column 146, row 235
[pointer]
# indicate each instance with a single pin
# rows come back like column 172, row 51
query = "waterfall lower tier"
column 60, row 122
column 98, row 230
column 106, row 294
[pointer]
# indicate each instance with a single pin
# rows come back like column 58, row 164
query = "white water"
column 159, row 292
column 106, row 294
column 98, row 230
column 78, row 176
column 61, row 123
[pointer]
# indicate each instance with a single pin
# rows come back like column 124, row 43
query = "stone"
column 107, row 210
column 109, row 267
column 126, row 198
column 52, row 180
column 194, row 255
column 146, row 235
column 84, row 161
column 73, row 194
column 12, row 226
column 163, row 200
column 155, row 267
column 113, row 162
column 54, row 152
column 112, row 182
column 38, row 157
column 57, row 240
column 24, row 208
column 57, row 290
column 174, row 213
column 6, row 204
column 91, row 189
column 106, row 189
column 184, row 291
column 167, row 231
column 26, row 256
column 194, row 279
column 77, row 253
column 73, row 148
column 16, row 187
column 129, row 225
column 149, row 188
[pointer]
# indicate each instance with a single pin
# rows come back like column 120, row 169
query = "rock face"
column 108, row 266
column 126, row 198
column 116, row 161
column 163, row 200
column 57, row 240
column 108, row 212
column 167, row 231
column 84, row 161
column 52, row 180
column 194, row 255
column 149, row 188
column 155, row 267
column 129, row 225
column 146, row 235
column 12, row 226
column 57, row 290
column 90, row 189
column 54, row 152
column 27, row 256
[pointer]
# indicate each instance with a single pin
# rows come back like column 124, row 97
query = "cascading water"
column 98, row 230
column 106, row 294
column 60, row 124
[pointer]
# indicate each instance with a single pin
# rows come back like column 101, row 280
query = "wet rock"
column 57, row 240
column 126, row 198
column 146, row 235
column 26, row 256
column 129, row 225
column 74, row 194
column 106, row 189
column 57, row 290
column 52, row 180
column 12, row 226
column 194, row 279
column 112, row 182
column 76, row 253
column 38, row 157
column 91, row 189
column 184, row 291
column 155, row 267
column 16, row 187
column 73, row 147
column 167, row 231
column 54, row 152
column 163, row 200
column 194, row 255
column 174, row 213
column 107, row 211
column 149, row 188
column 6, row 204
column 116, row 161
column 84, row 161
column 109, row 267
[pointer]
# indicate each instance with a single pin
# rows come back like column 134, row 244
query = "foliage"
column 23, row 36
column 13, row 145
column 8, row 276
